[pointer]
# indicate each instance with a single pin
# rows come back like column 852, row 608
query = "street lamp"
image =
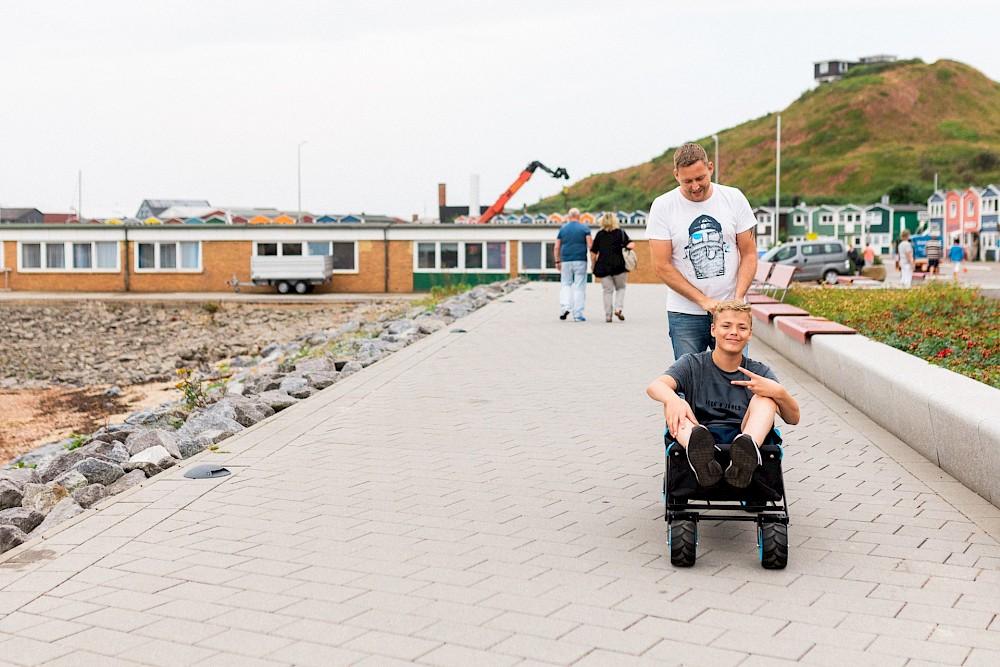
column 299, row 149
column 716, row 163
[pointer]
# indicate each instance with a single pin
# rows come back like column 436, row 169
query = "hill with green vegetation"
column 883, row 129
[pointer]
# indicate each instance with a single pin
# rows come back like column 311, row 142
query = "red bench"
column 766, row 312
column 760, row 298
column 802, row 328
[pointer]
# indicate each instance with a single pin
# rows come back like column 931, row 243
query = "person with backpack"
column 609, row 264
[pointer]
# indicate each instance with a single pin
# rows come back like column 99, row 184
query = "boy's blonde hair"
column 734, row 305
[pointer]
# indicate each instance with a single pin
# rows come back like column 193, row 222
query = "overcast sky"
column 209, row 99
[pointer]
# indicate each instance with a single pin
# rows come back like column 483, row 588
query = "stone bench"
column 766, row 312
column 803, row 328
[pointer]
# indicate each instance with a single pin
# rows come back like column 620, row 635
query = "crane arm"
column 528, row 172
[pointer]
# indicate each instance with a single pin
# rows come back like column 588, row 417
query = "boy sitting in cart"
column 728, row 399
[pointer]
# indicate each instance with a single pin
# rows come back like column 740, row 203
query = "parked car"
column 820, row 259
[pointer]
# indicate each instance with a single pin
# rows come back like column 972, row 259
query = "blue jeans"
column 574, row 287
column 690, row 334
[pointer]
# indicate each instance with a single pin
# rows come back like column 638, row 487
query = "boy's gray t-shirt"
column 708, row 391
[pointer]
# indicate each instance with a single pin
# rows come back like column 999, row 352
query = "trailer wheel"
column 682, row 537
column 301, row 287
column 773, row 541
column 284, row 287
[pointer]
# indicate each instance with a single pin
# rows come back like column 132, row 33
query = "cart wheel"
column 773, row 541
column 284, row 287
column 683, row 539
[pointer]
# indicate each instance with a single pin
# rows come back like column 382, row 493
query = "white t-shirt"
column 703, row 235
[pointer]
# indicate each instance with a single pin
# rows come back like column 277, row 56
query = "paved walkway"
column 493, row 498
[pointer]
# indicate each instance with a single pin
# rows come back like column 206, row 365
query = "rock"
column 60, row 464
column 190, row 446
column 21, row 476
column 277, row 400
column 11, row 493
column 100, row 472
column 151, row 461
column 10, row 537
column 114, row 451
column 71, row 480
column 431, row 324
column 245, row 411
column 208, row 421
column 266, row 382
column 292, row 384
column 406, row 327
column 66, row 509
column 156, row 437
column 43, row 497
column 21, row 517
column 88, row 496
column 350, row 368
column 39, row 456
column 321, row 365
column 117, row 432
column 128, row 481
column 112, row 391
column 321, row 379
column 151, row 418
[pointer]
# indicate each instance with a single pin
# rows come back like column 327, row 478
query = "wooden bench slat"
column 801, row 328
column 760, row 298
column 768, row 311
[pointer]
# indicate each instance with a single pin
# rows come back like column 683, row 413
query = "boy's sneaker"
column 744, row 458
column 701, row 457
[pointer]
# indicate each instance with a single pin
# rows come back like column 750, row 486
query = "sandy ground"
column 30, row 418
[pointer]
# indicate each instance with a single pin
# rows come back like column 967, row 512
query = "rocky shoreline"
column 56, row 482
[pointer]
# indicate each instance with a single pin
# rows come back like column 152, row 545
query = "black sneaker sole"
column 744, row 461
column 701, row 456
column 564, row 315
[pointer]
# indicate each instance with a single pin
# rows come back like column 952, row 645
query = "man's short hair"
column 734, row 305
column 573, row 213
column 689, row 154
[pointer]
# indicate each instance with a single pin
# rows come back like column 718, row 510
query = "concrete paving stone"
column 476, row 615
column 936, row 598
column 832, row 656
column 982, row 658
column 161, row 653
column 541, row 649
column 966, row 637
column 103, row 641
column 777, row 647
column 460, row 656
column 529, row 624
column 674, row 652
column 243, row 642
column 455, row 632
column 944, row 654
column 948, row 616
column 783, row 611
column 817, row 634
column 862, row 605
column 236, row 660
column 896, row 627
column 392, row 645
column 632, row 641
column 87, row 659
column 887, row 576
column 192, row 610
column 113, row 619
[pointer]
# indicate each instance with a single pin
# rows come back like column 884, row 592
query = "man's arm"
column 675, row 409
column 748, row 262
column 555, row 252
column 662, row 252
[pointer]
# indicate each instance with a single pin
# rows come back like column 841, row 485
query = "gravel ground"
column 57, row 358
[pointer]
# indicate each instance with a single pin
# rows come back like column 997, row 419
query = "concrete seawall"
column 950, row 419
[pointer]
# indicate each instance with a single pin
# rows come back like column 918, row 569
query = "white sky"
column 209, row 99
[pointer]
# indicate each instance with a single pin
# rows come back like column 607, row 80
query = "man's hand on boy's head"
column 758, row 384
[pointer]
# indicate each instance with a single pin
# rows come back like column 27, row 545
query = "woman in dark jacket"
column 609, row 265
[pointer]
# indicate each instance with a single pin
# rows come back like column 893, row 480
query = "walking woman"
column 609, row 265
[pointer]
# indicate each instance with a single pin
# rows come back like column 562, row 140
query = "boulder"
column 21, row 476
column 21, row 517
column 156, row 437
column 113, row 451
column 208, row 421
column 321, row 379
column 191, row 446
column 126, row 482
column 116, row 432
column 88, row 496
column 321, row 365
column 277, row 400
column 72, row 479
column 243, row 410
column 11, row 493
column 100, row 472
column 10, row 537
column 429, row 325
column 150, row 461
column 56, row 466
column 304, row 392
column 292, row 384
column 350, row 368
column 66, row 509
column 43, row 497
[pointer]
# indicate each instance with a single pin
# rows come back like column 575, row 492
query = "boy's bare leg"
column 759, row 419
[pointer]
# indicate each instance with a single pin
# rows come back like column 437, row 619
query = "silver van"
column 820, row 259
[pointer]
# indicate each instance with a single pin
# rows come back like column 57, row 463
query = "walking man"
column 905, row 251
column 572, row 245
column 934, row 250
column 701, row 239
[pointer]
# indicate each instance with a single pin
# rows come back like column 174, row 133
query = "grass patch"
column 942, row 323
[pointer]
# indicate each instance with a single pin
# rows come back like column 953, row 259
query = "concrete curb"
column 950, row 419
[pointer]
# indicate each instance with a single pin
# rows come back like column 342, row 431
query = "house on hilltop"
column 825, row 71
column 152, row 208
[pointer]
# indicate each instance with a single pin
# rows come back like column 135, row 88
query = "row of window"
column 187, row 255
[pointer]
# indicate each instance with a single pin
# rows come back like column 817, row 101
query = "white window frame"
column 971, row 208
column 461, row 268
column 156, row 257
column 354, row 250
column 826, row 218
column 67, row 257
column 543, row 269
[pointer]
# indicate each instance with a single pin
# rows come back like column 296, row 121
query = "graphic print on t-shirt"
column 705, row 249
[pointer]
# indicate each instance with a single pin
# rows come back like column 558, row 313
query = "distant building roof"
column 158, row 206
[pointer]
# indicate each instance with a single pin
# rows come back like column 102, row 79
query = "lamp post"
column 716, row 163
column 299, row 149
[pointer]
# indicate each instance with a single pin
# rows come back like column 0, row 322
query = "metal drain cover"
column 458, row 331
column 206, row 472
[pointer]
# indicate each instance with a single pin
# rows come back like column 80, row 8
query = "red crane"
column 516, row 185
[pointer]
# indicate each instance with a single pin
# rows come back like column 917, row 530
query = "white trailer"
column 299, row 273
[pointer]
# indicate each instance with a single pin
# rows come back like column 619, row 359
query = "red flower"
column 944, row 353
